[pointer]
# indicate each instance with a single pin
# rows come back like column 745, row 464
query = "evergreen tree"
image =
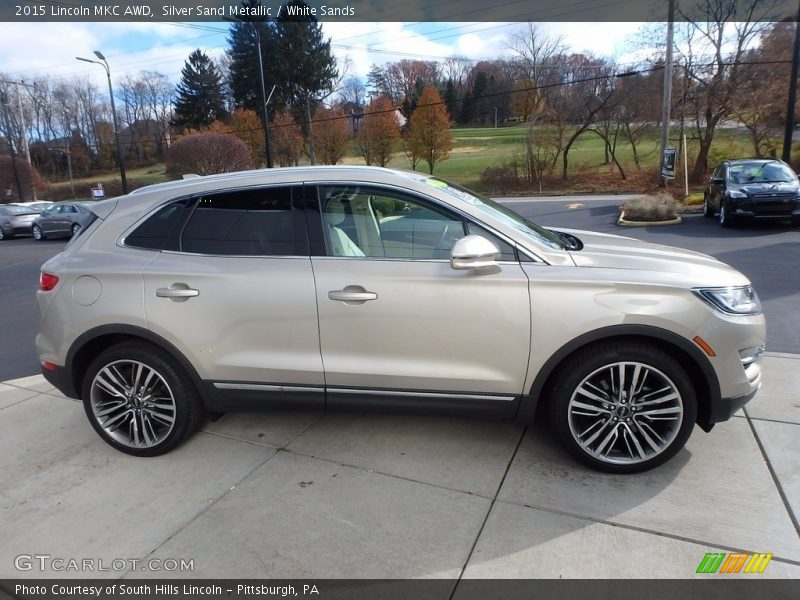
column 309, row 67
column 201, row 100
column 243, row 77
column 451, row 97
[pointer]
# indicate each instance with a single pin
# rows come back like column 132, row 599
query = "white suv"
column 330, row 287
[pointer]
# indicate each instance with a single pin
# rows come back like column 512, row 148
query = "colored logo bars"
column 716, row 562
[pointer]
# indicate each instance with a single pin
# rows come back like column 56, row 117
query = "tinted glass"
column 257, row 222
column 155, row 231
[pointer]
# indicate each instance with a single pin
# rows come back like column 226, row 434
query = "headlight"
column 739, row 300
column 736, row 194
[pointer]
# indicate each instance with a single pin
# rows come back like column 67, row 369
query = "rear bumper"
column 61, row 379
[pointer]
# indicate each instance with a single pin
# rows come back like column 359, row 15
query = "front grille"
column 773, row 196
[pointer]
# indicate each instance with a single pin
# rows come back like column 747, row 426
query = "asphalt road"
column 769, row 254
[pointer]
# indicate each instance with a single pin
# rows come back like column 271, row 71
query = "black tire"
column 174, row 384
column 76, row 228
column 3, row 235
column 725, row 220
column 37, row 233
column 708, row 212
column 587, row 368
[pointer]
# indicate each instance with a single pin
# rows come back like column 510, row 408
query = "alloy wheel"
column 133, row 403
column 625, row 413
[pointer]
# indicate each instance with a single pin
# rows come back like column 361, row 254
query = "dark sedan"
column 752, row 189
column 15, row 220
column 64, row 219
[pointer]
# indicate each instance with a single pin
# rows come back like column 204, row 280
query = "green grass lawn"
column 477, row 148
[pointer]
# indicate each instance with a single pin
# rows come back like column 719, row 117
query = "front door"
column 398, row 325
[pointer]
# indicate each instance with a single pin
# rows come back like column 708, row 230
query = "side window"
column 506, row 250
column 360, row 221
column 155, row 231
column 257, row 222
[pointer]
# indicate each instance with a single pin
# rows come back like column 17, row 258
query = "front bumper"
column 722, row 409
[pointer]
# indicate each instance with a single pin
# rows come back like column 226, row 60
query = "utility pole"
column 25, row 147
column 787, row 133
column 12, row 152
column 667, row 97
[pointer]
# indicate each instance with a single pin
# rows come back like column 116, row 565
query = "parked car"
column 290, row 287
column 752, row 188
column 39, row 205
column 61, row 219
column 16, row 220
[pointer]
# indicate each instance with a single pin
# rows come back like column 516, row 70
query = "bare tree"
column 536, row 54
column 713, row 45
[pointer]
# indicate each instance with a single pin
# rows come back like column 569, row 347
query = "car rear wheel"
column 75, row 229
column 708, row 212
column 623, row 407
column 37, row 233
column 140, row 400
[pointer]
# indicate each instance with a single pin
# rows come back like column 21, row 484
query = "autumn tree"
column 246, row 125
column 287, row 139
column 429, row 134
column 206, row 154
column 331, row 134
column 379, row 131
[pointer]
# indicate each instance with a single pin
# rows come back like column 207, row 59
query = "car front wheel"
column 37, row 233
column 140, row 400
column 724, row 218
column 623, row 407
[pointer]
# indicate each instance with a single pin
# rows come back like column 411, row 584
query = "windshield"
column 761, row 172
column 499, row 212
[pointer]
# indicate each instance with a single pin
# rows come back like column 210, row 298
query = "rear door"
column 234, row 291
column 400, row 327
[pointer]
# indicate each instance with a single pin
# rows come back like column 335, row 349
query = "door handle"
column 352, row 293
column 177, row 293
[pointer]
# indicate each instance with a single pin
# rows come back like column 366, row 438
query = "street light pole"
column 120, row 157
column 263, row 95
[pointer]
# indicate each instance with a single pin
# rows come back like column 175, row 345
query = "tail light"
column 47, row 281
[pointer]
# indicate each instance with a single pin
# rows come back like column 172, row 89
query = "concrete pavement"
column 303, row 494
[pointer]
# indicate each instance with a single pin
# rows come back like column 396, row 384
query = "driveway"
column 304, row 494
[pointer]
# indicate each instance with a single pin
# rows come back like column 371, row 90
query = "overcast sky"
column 31, row 50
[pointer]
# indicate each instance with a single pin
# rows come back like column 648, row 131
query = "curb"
column 622, row 221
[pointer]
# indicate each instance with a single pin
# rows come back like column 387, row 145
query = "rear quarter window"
column 156, row 230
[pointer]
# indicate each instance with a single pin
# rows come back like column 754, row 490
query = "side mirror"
column 717, row 180
column 475, row 252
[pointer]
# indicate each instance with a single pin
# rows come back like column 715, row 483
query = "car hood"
column 766, row 188
column 608, row 251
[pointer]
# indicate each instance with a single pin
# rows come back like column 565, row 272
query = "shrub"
column 206, row 154
column 656, row 207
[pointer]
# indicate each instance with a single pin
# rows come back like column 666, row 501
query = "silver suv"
column 328, row 287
